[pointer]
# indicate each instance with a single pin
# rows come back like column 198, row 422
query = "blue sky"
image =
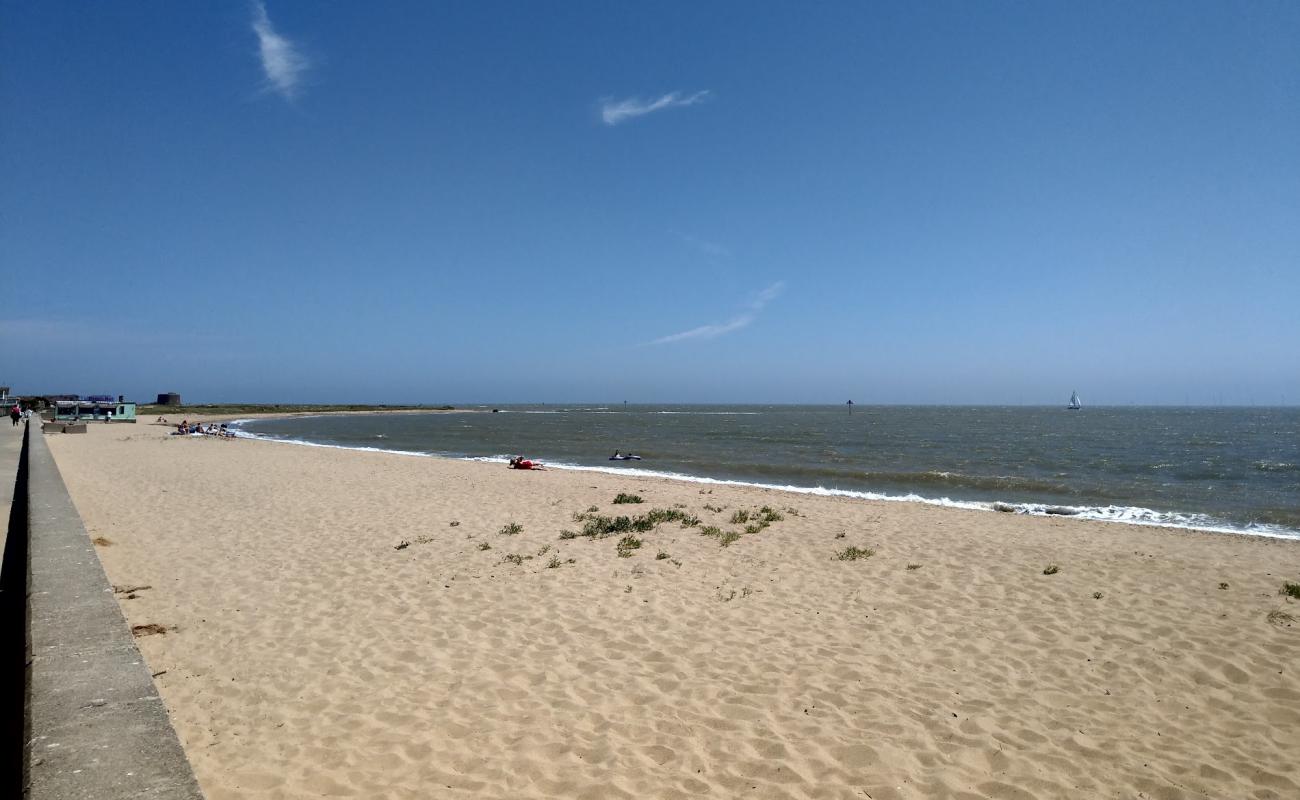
column 690, row 202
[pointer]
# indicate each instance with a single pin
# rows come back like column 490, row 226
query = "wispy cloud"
column 281, row 61
column 714, row 330
column 704, row 246
column 615, row 111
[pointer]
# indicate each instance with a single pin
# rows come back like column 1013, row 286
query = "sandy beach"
column 347, row 624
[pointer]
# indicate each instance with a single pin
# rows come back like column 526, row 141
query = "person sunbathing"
column 519, row 462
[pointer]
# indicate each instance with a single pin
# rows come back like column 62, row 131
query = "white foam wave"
column 1126, row 515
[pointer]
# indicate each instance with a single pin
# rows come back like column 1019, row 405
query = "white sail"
column 1074, row 400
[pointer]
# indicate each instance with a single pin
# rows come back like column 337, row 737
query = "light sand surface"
column 307, row 657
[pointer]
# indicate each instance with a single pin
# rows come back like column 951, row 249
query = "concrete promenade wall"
column 96, row 727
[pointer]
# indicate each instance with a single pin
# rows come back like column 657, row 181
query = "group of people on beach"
column 186, row 428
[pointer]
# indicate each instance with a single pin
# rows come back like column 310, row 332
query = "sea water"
column 1223, row 469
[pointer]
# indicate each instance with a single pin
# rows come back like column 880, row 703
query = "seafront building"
column 95, row 407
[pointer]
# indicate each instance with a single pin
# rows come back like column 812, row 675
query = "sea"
column 1230, row 470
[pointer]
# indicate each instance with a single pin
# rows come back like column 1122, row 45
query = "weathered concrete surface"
column 11, row 445
column 99, row 730
column 13, row 614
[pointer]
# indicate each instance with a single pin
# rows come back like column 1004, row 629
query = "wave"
column 1129, row 515
column 1276, row 466
column 710, row 413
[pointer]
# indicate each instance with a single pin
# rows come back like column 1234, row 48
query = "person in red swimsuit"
column 519, row 462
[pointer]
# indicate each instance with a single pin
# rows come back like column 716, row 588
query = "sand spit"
column 347, row 624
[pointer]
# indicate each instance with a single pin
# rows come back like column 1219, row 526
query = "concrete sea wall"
column 80, row 716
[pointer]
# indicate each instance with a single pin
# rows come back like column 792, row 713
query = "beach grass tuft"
column 511, row 529
column 513, row 558
column 596, row 526
column 740, row 517
column 546, row 548
column 1097, row 595
column 1290, row 589
column 714, row 509
column 913, row 566
column 568, row 534
column 590, row 510
column 661, row 555
column 484, row 546
column 553, row 563
column 1051, row 569
column 727, row 538
column 627, row 544
column 853, row 553
column 622, row 498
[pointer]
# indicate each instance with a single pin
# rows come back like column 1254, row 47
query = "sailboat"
column 1074, row 405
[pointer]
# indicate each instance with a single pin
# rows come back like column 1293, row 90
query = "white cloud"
column 613, row 112
column 281, row 61
column 714, row 330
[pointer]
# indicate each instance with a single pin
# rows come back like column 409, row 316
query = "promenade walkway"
column 69, row 668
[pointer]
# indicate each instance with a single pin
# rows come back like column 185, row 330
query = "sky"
column 723, row 202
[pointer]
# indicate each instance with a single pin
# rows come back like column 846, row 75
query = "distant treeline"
column 269, row 408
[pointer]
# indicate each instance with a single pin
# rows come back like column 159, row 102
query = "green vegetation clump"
column 512, row 558
column 724, row 537
column 1051, row 569
column 853, row 553
column 553, row 563
column 596, row 526
column 511, row 529
column 758, row 520
column 484, row 546
column 1290, row 589
column 626, row 545
column 661, row 555
column 567, row 534
column 622, row 498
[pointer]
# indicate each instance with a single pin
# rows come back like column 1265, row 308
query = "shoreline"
column 1122, row 515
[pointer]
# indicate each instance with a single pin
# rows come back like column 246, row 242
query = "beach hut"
column 103, row 408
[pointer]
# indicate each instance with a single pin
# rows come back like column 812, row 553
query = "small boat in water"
column 1074, row 405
